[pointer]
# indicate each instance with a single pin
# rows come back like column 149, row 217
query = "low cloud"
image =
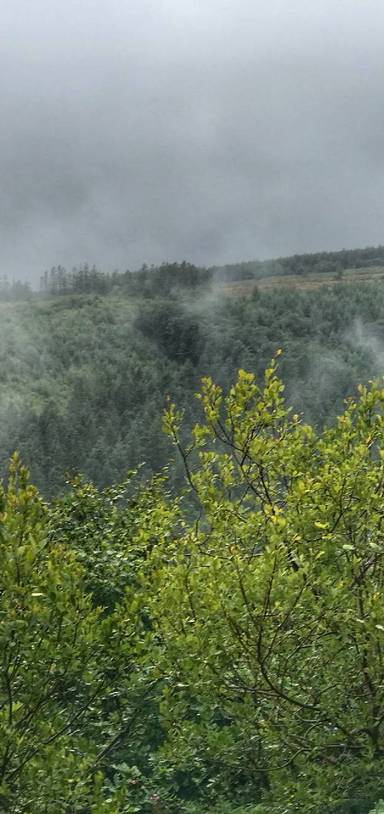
column 214, row 132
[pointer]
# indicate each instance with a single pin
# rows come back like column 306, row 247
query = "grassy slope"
column 309, row 282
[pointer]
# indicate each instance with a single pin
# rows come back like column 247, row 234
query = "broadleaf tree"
column 270, row 609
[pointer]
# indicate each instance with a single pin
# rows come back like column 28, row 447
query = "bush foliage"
column 218, row 651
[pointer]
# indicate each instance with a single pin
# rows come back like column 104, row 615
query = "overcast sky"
column 208, row 130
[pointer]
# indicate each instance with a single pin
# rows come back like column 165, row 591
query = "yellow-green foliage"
column 230, row 659
column 272, row 609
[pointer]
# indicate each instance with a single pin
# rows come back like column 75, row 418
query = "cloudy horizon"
column 201, row 130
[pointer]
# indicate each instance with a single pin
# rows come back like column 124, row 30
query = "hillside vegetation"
column 192, row 574
column 87, row 363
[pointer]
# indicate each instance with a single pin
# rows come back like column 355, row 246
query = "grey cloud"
column 212, row 131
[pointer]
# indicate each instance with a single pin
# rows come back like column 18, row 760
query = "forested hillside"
column 88, row 362
column 192, row 573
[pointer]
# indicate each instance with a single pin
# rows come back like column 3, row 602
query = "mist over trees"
column 169, row 277
column 89, row 361
column 191, row 589
column 191, row 447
